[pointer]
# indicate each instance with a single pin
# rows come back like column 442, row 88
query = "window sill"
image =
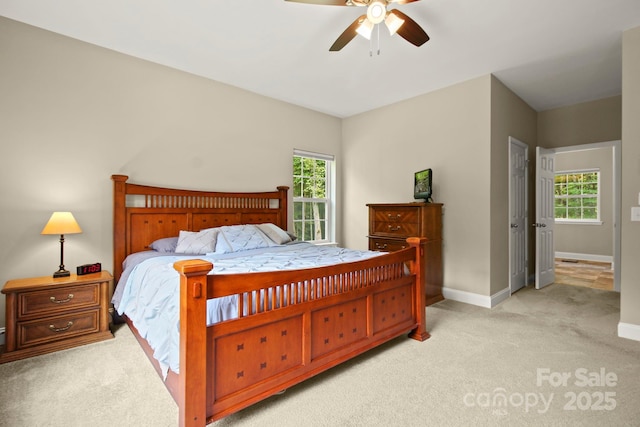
column 323, row 243
column 579, row 222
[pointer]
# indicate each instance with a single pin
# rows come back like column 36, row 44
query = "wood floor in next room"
column 591, row 274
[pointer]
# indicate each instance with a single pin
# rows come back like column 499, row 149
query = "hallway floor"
column 590, row 274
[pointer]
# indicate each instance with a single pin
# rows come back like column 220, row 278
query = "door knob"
column 514, row 225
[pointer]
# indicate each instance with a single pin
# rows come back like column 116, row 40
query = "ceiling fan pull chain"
column 378, row 37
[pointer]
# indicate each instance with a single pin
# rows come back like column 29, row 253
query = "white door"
column 545, row 217
column 518, row 162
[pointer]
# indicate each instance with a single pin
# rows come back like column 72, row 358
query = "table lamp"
column 61, row 223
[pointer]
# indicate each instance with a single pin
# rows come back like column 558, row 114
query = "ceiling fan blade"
column 347, row 35
column 402, row 1
column 324, row 2
column 410, row 30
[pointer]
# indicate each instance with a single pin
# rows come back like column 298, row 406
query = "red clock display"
column 89, row 268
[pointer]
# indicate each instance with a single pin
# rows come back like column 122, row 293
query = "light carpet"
column 541, row 358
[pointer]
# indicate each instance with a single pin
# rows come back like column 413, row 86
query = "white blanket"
column 150, row 293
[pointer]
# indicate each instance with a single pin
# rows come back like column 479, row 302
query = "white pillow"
column 236, row 238
column 197, row 242
column 275, row 233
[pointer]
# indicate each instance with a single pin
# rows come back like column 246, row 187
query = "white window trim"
column 597, row 221
column 331, row 189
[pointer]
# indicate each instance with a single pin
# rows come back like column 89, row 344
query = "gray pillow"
column 275, row 233
column 168, row 244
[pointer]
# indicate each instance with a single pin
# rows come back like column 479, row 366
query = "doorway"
column 615, row 146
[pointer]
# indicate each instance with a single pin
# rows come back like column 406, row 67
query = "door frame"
column 616, row 146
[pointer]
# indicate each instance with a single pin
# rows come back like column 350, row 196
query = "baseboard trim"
column 629, row 331
column 498, row 297
column 584, row 257
column 476, row 299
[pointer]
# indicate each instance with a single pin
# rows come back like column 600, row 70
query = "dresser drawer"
column 396, row 229
column 51, row 329
column 387, row 245
column 57, row 300
column 404, row 215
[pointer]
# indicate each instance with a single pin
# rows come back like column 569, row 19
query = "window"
column 313, row 205
column 577, row 196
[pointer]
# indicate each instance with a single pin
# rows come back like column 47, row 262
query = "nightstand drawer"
column 57, row 328
column 57, row 300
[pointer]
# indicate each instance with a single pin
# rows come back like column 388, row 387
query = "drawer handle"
column 396, row 216
column 379, row 246
column 396, row 228
column 64, row 328
column 60, row 301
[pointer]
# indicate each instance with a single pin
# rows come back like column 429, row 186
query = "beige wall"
column 630, row 265
column 510, row 116
column 585, row 123
column 590, row 239
column 72, row 114
column 447, row 130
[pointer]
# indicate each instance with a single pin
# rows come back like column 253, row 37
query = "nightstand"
column 46, row 314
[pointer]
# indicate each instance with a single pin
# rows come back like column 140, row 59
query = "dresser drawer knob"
column 60, row 301
column 396, row 228
column 379, row 246
column 64, row 328
column 395, row 216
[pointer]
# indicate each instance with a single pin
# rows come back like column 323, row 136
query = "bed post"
column 417, row 267
column 284, row 210
column 192, row 392
column 119, row 222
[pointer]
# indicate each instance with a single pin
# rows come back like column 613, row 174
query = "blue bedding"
column 148, row 291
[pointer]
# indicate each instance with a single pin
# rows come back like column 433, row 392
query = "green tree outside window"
column 310, row 198
column 577, row 196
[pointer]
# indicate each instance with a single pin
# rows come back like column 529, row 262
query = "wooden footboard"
column 296, row 323
column 291, row 326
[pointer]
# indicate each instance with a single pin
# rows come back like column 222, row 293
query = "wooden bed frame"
column 330, row 315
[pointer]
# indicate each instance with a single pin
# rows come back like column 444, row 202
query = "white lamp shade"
column 365, row 29
column 393, row 23
column 61, row 223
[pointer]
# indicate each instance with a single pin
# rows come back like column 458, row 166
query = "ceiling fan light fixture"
column 393, row 23
column 376, row 12
column 365, row 29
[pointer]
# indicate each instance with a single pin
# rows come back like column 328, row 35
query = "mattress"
column 148, row 292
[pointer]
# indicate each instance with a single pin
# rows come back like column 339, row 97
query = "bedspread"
column 149, row 291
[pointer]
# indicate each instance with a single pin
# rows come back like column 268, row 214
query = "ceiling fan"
column 396, row 21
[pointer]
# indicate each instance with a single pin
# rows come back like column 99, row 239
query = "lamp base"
column 62, row 273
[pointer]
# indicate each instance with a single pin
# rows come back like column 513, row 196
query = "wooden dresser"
column 391, row 223
column 46, row 314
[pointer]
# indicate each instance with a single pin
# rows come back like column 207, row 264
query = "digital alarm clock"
column 89, row 268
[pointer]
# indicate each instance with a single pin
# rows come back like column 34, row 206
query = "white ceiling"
column 550, row 52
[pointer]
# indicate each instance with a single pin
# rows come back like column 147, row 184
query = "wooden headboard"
column 143, row 214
